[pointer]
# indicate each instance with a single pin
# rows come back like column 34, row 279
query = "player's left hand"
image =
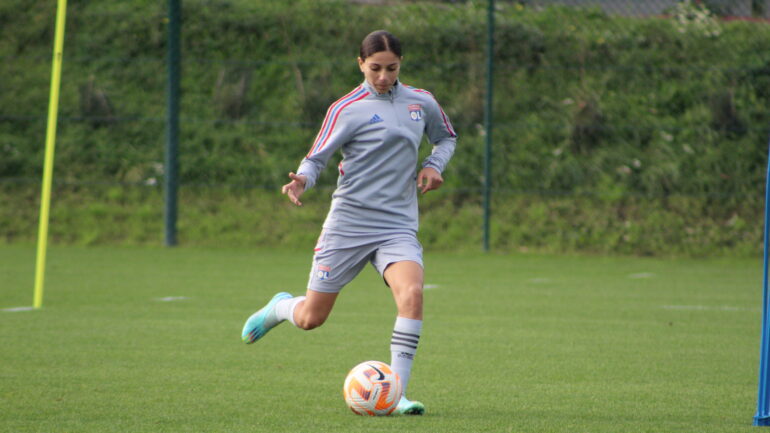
column 429, row 179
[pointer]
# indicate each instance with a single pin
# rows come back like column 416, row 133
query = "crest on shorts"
column 415, row 112
column 323, row 272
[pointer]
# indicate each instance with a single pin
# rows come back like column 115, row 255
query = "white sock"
column 284, row 309
column 403, row 346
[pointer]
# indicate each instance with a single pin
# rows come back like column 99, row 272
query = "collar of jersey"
column 392, row 93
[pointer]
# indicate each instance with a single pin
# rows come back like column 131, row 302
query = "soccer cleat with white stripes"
column 263, row 320
column 407, row 407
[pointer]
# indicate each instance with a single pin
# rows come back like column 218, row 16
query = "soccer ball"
column 372, row 388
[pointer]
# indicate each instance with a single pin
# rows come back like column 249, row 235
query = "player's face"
column 381, row 70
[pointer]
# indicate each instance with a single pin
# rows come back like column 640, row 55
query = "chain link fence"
column 653, row 8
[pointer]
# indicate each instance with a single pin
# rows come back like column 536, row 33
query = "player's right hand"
column 295, row 188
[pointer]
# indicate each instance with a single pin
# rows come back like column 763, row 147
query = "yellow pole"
column 50, row 140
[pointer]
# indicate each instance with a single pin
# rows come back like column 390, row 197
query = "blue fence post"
column 762, row 417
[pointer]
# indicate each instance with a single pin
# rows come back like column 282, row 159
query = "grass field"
column 148, row 340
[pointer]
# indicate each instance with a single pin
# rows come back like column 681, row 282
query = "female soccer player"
column 378, row 127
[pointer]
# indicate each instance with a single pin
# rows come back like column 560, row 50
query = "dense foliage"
column 586, row 104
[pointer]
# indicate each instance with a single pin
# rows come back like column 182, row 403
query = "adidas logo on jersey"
column 375, row 119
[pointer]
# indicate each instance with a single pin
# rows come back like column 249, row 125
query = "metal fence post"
column 488, row 118
column 172, row 122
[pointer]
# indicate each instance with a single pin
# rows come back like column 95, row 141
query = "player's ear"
column 361, row 64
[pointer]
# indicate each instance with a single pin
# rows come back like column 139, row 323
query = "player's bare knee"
column 410, row 300
column 413, row 292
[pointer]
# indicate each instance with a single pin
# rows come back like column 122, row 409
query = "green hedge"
column 451, row 221
column 590, row 108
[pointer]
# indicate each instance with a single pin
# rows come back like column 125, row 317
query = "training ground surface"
column 148, row 340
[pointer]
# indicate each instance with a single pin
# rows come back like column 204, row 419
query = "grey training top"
column 379, row 135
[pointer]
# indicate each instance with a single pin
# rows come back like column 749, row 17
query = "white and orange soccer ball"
column 372, row 388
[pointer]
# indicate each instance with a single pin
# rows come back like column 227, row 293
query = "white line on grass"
column 641, row 275
column 172, row 299
column 430, row 286
column 707, row 308
column 539, row 280
column 17, row 309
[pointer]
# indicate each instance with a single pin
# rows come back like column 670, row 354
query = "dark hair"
column 379, row 40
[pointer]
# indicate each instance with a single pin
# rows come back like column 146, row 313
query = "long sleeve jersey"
column 379, row 136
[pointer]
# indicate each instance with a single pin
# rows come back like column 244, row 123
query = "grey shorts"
column 339, row 257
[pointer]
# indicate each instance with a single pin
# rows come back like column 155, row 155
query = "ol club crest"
column 415, row 112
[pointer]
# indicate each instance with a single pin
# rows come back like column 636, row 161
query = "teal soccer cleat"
column 406, row 407
column 263, row 320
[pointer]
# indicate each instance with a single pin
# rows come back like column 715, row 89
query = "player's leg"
column 405, row 279
column 336, row 262
column 310, row 311
column 305, row 312
column 399, row 260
